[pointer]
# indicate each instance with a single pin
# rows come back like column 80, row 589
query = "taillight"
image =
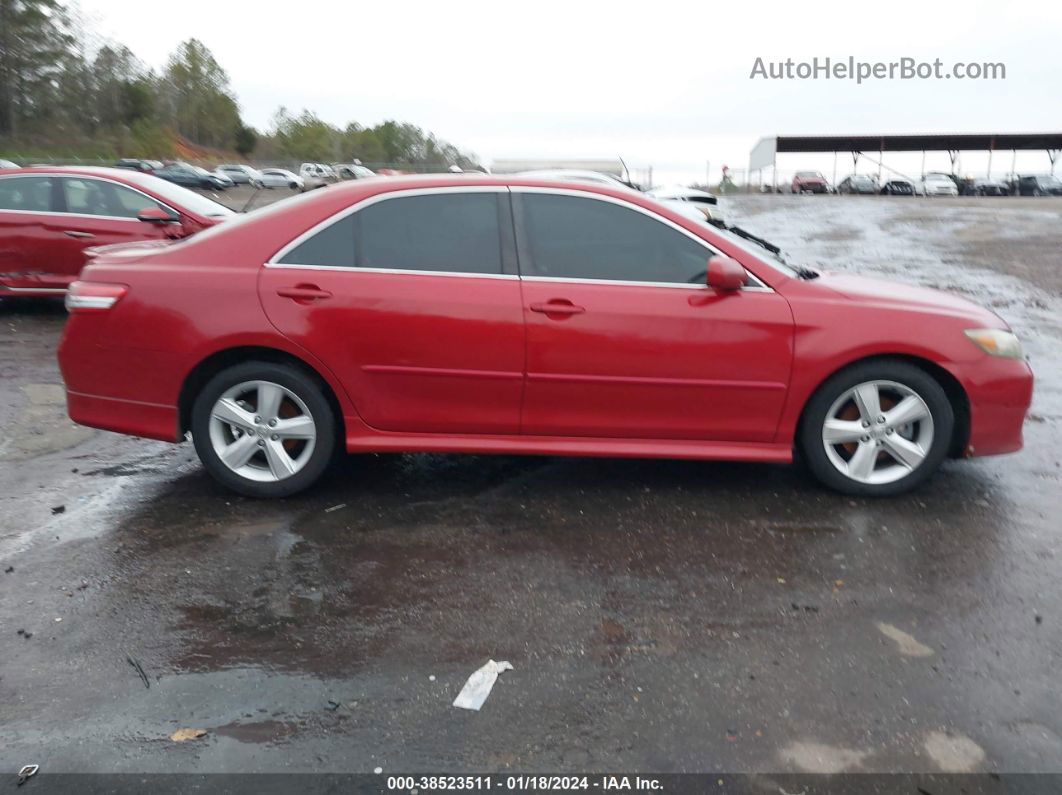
column 93, row 296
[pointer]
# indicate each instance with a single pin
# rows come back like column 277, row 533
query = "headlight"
column 995, row 342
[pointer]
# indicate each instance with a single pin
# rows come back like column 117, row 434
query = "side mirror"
column 155, row 215
column 725, row 273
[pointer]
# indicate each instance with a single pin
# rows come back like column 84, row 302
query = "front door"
column 414, row 304
column 624, row 339
column 94, row 212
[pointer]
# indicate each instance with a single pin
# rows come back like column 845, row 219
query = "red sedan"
column 477, row 314
column 49, row 216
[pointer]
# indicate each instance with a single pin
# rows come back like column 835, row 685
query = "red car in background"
column 49, row 216
column 809, row 182
column 521, row 315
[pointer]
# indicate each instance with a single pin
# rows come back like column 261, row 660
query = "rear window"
column 449, row 232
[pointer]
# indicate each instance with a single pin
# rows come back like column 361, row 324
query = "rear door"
column 414, row 303
column 95, row 212
column 26, row 247
column 624, row 338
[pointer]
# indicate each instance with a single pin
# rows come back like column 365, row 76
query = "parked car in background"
column 809, row 182
column 578, row 175
column 936, row 184
column 49, row 216
column 682, row 193
column 858, row 183
column 700, row 211
column 317, row 175
column 135, row 164
column 8, row 163
column 603, row 327
column 898, row 187
column 701, row 201
column 241, row 174
column 987, row 187
column 353, row 171
column 189, row 176
column 1039, row 185
column 223, row 179
column 281, row 178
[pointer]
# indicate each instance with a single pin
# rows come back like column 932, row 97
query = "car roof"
column 118, row 174
column 344, row 194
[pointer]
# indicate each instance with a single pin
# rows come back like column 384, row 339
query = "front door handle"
column 304, row 293
column 558, row 306
column 76, row 233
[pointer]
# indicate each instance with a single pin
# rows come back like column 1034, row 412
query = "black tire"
column 293, row 185
column 306, row 388
column 914, row 378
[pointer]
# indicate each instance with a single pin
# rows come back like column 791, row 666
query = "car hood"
column 887, row 293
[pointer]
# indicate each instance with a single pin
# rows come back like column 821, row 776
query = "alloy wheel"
column 878, row 432
column 262, row 431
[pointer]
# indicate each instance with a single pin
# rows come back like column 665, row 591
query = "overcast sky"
column 661, row 83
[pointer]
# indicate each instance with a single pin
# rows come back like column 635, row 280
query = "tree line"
column 64, row 89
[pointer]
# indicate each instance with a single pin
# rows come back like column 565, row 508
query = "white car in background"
column 224, row 179
column 353, row 171
column 705, row 202
column 936, row 185
column 8, row 164
column 317, row 175
column 700, row 211
column 241, row 174
column 282, row 178
column 577, row 175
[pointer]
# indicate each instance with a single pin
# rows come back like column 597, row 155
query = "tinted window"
column 572, row 237
column 96, row 197
column 456, row 232
column 332, row 246
column 26, row 193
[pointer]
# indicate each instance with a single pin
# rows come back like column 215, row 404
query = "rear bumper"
column 123, row 416
column 1000, row 392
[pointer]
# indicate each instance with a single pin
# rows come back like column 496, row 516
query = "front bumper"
column 1000, row 392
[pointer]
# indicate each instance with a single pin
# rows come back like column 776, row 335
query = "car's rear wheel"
column 877, row 429
column 263, row 429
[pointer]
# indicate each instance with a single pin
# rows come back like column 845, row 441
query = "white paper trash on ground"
column 479, row 685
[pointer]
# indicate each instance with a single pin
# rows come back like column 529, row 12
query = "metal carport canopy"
column 917, row 143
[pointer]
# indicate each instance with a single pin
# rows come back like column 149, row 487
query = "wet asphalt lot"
column 659, row 616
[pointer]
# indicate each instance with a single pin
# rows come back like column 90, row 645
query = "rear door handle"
column 76, row 233
column 304, row 292
column 558, row 306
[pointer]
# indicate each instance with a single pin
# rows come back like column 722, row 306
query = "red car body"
column 50, row 216
column 809, row 182
column 426, row 361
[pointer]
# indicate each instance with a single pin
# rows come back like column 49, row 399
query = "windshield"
column 182, row 197
column 811, row 174
column 1052, row 181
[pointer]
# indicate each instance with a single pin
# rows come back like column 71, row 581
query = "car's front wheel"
column 264, row 429
column 877, row 429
